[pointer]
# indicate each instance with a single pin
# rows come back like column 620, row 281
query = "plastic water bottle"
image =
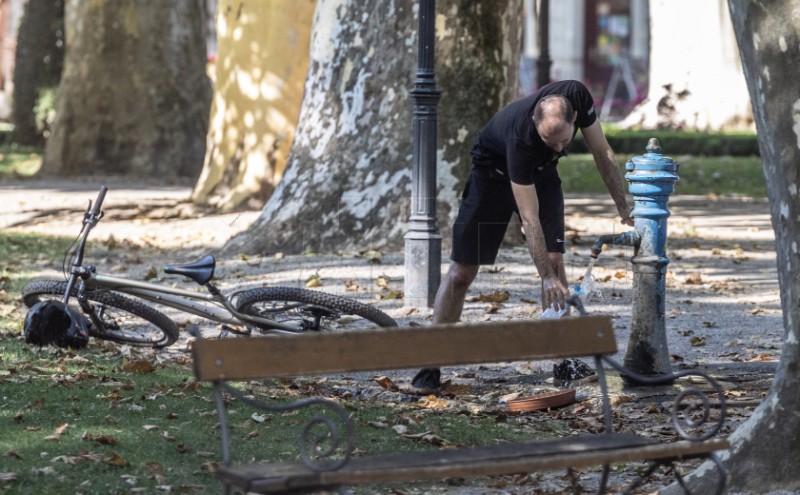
column 552, row 313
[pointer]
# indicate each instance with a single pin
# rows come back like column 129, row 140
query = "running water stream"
column 587, row 287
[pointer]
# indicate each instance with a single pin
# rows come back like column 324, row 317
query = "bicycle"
column 114, row 309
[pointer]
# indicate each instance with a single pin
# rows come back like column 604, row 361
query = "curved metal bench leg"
column 601, row 489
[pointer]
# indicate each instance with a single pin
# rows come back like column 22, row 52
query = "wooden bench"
column 226, row 360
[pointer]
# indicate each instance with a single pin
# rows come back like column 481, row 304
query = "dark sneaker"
column 427, row 380
column 572, row 372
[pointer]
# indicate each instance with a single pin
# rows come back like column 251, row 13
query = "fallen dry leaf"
column 697, row 341
column 390, row 294
column 139, row 366
column 450, row 388
column 56, row 436
column 77, row 459
column 386, row 383
column 761, row 358
column 617, row 399
column 115, row 460
column 101, row 439
column 428, row 437
column 497, row 296
column 432, row 402
column 694, row 279
column 313, row 281
column 492, row 308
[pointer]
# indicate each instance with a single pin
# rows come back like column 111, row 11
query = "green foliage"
column 18, row 160
column 676, row 143
column 45, row 110
column 724, row 175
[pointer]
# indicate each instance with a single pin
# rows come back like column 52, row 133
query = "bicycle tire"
column 311, row 310
column 157, row 330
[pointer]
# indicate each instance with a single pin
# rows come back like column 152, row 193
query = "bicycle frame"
column 212, row 306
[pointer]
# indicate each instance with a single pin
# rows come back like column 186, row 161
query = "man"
column 514, row 170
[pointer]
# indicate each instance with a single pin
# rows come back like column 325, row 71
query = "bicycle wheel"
column 124, row 320
column 308, row 309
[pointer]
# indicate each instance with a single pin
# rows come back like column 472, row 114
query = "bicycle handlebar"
column 98, row 203
column 91, row 217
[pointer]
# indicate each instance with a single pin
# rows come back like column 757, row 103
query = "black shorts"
column 487, row 204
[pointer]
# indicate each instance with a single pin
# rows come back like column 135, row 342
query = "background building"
column 604, row 43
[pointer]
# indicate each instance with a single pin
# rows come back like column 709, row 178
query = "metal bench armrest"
column 326, row 451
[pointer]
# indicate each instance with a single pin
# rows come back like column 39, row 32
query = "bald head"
column 554, row 118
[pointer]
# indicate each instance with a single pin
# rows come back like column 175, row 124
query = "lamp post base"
column 423, row 265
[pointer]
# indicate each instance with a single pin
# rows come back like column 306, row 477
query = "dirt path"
column 722, row 305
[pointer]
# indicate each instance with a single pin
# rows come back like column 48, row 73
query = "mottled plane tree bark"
column 347, row 183
column 765, row 449
column 260, row 71
column 134, row 95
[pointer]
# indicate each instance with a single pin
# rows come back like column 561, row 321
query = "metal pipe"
column 630, row 238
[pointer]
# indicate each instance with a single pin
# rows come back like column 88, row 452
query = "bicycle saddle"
column 201, row 271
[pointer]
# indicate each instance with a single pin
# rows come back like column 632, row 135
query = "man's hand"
column 625, row 216
column 553, row 293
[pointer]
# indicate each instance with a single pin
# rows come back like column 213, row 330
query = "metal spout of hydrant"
column 630, row 238
column 651, row 179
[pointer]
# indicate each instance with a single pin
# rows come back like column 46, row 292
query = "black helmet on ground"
column 53, row 322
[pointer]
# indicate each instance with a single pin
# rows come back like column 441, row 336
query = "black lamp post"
column 423, row 244
column 543, row 31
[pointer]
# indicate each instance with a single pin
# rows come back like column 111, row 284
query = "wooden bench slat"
column 575, row 452
column 395, row 348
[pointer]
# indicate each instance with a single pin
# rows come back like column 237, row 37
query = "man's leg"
column 449, row 300
column 478, row 230
column 447, row 308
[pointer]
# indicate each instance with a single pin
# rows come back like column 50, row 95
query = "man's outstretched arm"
column 553, row 291
column 609, row 169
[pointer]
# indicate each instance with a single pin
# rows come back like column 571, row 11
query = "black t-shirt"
column 509, row 145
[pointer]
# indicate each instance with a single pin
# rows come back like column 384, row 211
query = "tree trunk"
column 765, row 449
column 696, row 79
column 134, row 95
column 38, row 63
column 262, row 62
column 347, row 183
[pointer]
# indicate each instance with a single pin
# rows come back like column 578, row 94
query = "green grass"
column 23, row 255
column 723, row 176
column 88, row 422
column 18, row 160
